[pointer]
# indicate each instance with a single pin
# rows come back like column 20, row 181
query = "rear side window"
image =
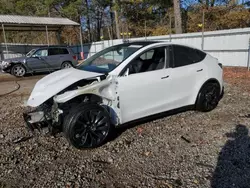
column 186, row 56
column 63, row 51
column 58, row 51
column 53, row 51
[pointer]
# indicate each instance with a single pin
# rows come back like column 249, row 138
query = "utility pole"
column 203, row 23
column 248, row 59
column 170, row 27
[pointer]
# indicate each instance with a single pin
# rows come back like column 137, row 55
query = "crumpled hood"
column 55, row 82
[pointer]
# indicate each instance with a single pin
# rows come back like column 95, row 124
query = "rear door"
column 54, row 58
column 188, row 68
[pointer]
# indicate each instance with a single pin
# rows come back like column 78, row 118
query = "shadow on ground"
column 233, row 166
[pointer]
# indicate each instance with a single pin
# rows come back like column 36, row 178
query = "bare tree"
column 116, row 21
column 177, row 14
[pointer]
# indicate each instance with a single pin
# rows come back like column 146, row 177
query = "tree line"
column 111, row 19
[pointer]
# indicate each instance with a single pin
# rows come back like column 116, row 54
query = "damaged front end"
column 49, row 116
column 45, row 118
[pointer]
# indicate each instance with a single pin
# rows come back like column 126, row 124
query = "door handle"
column 164, row 77
column 199, row 70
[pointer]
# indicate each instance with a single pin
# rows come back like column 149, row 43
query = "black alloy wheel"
column 208, row 98
column 87, row 126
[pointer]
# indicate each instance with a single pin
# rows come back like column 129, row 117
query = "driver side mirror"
column 37, row 57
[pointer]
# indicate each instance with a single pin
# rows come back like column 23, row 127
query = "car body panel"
column 211, row 71
column 35, row 64
column 144, row 94
column 184, row 80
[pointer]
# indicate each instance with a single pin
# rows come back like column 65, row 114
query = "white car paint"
column 143, row 93
column 140, row 94
column 55, row 82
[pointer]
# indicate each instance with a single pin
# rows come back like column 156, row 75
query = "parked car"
column 40, row 60
column 121, row 84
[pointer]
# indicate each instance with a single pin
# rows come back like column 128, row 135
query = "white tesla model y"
column 123, row 83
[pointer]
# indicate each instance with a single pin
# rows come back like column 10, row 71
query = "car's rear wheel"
column 87, row 126
column 208, row 97
column 18, row 70
column 66, row 65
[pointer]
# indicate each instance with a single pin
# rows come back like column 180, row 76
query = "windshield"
column 109, row 58
column 29, row 54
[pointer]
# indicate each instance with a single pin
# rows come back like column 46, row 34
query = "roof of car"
column 146, row 43
column 49, row 47
column 143, row 43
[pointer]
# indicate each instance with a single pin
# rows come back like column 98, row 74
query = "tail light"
column 74, row 57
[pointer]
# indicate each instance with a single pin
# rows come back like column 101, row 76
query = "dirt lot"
column 188, row 149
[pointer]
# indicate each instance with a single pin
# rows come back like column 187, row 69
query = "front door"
column 37, row 61
column 144, row 90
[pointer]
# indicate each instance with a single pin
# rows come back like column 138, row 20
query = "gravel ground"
column 188, row 149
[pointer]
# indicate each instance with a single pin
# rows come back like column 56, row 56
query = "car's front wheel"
column 18, row 70
column 87, row 126
column 208, row 97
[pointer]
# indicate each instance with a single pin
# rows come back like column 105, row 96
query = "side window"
column 150, row 60
column 40, row 53
column 63, row 51
column 53, row 51
column 200, row 55
column 148, row 55
column 186, row 56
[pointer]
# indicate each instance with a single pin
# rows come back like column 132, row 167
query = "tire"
column 208, row 97
column 66, row 65
column 18, row 70
column 87, row 126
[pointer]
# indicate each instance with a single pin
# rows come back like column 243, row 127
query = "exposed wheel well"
column 86, row 98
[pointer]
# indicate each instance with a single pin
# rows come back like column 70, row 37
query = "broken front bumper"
column 33, row 119
column 44, row 118
column 36, row 120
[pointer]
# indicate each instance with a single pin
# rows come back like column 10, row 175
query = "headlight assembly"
column 5, row 64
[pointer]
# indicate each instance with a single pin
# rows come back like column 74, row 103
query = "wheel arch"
column 17, row 63
column 12, row 64
column 96, row 99
column 67, row 61
column 210, row 80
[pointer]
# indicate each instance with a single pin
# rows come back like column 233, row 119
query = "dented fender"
column 105, row 89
